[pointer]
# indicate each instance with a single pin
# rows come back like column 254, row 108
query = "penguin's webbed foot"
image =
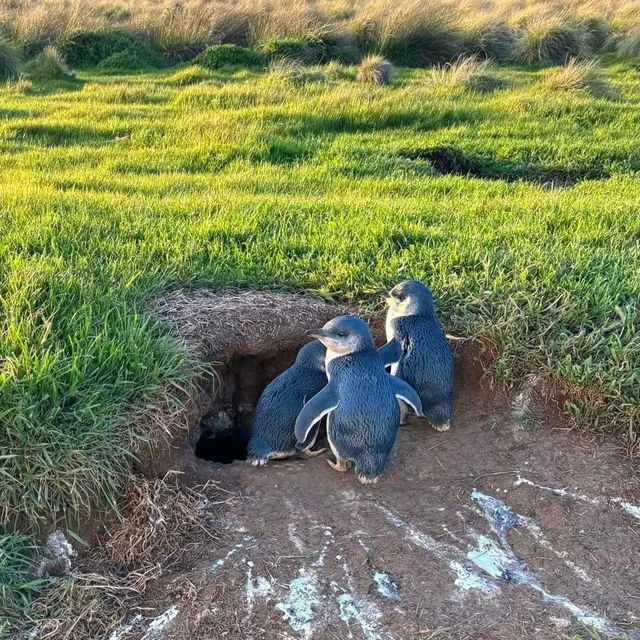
column 339, row 465
column 365, row 480
column 442, row 427
column 257, row 462
column 307, row 453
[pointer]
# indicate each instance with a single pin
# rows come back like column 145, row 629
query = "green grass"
column 121, row 188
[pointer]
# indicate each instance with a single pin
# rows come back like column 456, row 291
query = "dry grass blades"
column 577, row 75
column 160, row 516
column 161, row 522
column 375, row 70
column 411, row 32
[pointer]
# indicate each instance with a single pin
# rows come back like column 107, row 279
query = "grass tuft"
column 294, row 72
column 577, row 75
column 629, row 44
column 49, row 65
column 17, row 582
column 290, row 49
column 466, row 73
column 191, row 75
column 9, row 61
column 549, row 41
column 375, row 70
column 230, row 55
column 90, row 48
column 411, row 33
column 485, row 37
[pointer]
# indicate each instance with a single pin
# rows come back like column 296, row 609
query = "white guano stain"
column 439, row 550
column 123, row 629
column 498, row 560
column 386, row 586
column 366, row 617
column 467, row 580
column 632, row 509
column 536, row 532
column 159, row 624
column 297, row 609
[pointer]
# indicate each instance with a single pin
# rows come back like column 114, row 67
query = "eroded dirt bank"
column 504, row 527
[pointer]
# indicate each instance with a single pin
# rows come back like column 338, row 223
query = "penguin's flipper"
column 404, row 392
column 320, row 405
column 391, row 353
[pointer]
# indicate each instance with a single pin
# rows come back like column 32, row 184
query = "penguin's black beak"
column 383, row 294
column 316, row 333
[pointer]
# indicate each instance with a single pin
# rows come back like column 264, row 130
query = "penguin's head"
column 409, row 298
column 344, row 334
column 312, row 355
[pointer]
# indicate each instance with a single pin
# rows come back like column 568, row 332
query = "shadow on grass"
column 451, row 160
column 65, row 136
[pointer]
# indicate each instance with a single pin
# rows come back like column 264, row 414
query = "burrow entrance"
column 223, row 432
column 498, row 521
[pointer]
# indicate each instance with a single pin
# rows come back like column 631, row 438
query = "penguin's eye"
column 342, row 334
column 400, row 296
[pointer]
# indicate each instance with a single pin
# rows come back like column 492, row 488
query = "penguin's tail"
column 370, row 467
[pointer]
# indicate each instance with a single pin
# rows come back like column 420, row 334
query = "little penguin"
column 360, row 400
column 426, row 362
column 272, row 427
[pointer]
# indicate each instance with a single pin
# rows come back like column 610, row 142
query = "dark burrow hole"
column 451, row 160
column 225, row 428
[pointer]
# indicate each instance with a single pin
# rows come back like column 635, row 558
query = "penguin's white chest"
column 331, row 355
column 391, row 315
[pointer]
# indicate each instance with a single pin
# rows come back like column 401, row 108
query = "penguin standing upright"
column 272, row 427
column 360, row 400
column 427, row 361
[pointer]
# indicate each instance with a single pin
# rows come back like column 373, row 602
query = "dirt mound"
column 507, row 526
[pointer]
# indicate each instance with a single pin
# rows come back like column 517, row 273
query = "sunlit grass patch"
column 517, row 206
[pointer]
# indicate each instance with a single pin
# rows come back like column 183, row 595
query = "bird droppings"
column 468, row 580
column 362, row 615
column 386, row 586
column 632, row 509
column 58, row 561
column 489, row 557
column 157, row 626
column 498, row 560
column 301, row 546
column 297, row 609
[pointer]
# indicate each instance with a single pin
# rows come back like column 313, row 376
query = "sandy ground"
column 501, row 528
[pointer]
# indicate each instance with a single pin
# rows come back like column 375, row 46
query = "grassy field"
column 116, row 189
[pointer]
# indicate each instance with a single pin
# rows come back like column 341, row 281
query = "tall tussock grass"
column 9, row 61
column 466, row 73
column 413, row 32
column 408, row 32
column 577, row 75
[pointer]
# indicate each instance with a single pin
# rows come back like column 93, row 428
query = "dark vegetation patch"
column 62, row 136
column 230, row 55
column 451, row 160
column 291, row 49
column 90, row 48
column 9, row 60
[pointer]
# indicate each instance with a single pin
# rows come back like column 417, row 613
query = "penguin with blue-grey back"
column 425, row 359
column 272, row 427
column 360, row 400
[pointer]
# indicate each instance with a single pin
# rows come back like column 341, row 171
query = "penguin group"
column 341, row 375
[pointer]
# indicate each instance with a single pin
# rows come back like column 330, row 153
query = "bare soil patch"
column 508, row 526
